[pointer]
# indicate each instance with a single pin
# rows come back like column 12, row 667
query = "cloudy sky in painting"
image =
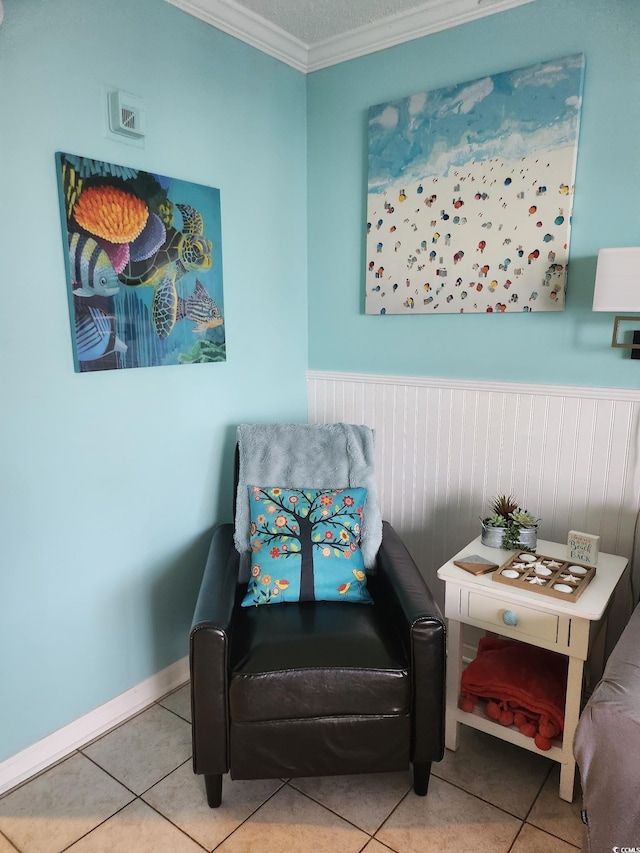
column 509, row 115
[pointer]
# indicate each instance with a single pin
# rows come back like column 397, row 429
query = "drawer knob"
column 510, row 618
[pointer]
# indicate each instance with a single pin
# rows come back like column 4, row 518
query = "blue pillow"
column 305, row 546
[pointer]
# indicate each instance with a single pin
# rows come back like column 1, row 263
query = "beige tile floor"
column 134, row 790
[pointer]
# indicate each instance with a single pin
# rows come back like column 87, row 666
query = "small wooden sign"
column 583, row 548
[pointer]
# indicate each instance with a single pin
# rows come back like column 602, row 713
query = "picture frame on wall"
column 470, row 194
column 143, row 261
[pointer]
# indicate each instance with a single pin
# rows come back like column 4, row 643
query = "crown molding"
column 235, row 20
column 431, row 17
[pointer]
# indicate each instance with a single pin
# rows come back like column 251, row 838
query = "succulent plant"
column 508, row 516
column 503, row 505
column 523, row 518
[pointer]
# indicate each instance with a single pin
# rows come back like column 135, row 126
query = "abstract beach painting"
column 143, row 263
column 470, row 193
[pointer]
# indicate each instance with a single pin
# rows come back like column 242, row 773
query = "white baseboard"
column 66, row 740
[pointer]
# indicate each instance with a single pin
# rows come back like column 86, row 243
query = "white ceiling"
column 313, row 34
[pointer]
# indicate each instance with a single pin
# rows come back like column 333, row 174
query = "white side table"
column 550, row 623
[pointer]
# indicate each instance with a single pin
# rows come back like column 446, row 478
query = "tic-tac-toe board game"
column 546, row 575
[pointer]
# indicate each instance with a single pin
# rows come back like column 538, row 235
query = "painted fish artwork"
column 143, row 259
column 470, row 194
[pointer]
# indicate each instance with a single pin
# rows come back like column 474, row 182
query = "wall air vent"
column 126, row 115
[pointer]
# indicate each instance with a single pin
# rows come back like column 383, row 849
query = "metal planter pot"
column 493, row 537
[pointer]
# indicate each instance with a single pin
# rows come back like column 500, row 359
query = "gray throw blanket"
column 308, row 456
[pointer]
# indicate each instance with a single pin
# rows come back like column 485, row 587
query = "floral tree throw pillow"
column 305, row 546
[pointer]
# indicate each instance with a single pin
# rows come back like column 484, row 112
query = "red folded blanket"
column 522, row 685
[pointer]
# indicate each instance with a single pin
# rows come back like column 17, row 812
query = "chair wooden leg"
column 213, row 784
column 421, row 774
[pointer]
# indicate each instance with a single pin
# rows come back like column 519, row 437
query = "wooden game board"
column 546, row 575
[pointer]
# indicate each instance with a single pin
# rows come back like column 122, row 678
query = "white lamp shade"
column 617, row 280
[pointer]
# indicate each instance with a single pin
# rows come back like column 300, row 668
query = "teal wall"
column 110, row 483
column 570, row 347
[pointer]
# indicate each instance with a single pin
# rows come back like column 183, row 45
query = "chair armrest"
column 208, row 654
column 422, row 628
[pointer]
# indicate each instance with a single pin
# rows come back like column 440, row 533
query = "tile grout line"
column 393, row 810
column 255, row 811
column 168, row 819
column 9, row 841
column 102, row 822
column 487, row 802
column 331, row 811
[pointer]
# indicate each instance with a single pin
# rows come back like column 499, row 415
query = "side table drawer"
column 517, row 618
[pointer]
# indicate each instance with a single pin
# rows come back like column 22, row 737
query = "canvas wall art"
column 470, row 192
column 143, row 261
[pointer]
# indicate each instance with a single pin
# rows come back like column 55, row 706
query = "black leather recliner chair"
column 316, row 688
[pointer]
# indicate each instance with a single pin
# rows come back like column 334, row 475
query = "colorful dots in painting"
column 513, row 206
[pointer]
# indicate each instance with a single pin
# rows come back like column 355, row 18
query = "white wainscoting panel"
column 444, row 448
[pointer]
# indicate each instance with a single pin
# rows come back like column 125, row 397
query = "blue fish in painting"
column 95, row 335
column 201, row 309
column 91, row 268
